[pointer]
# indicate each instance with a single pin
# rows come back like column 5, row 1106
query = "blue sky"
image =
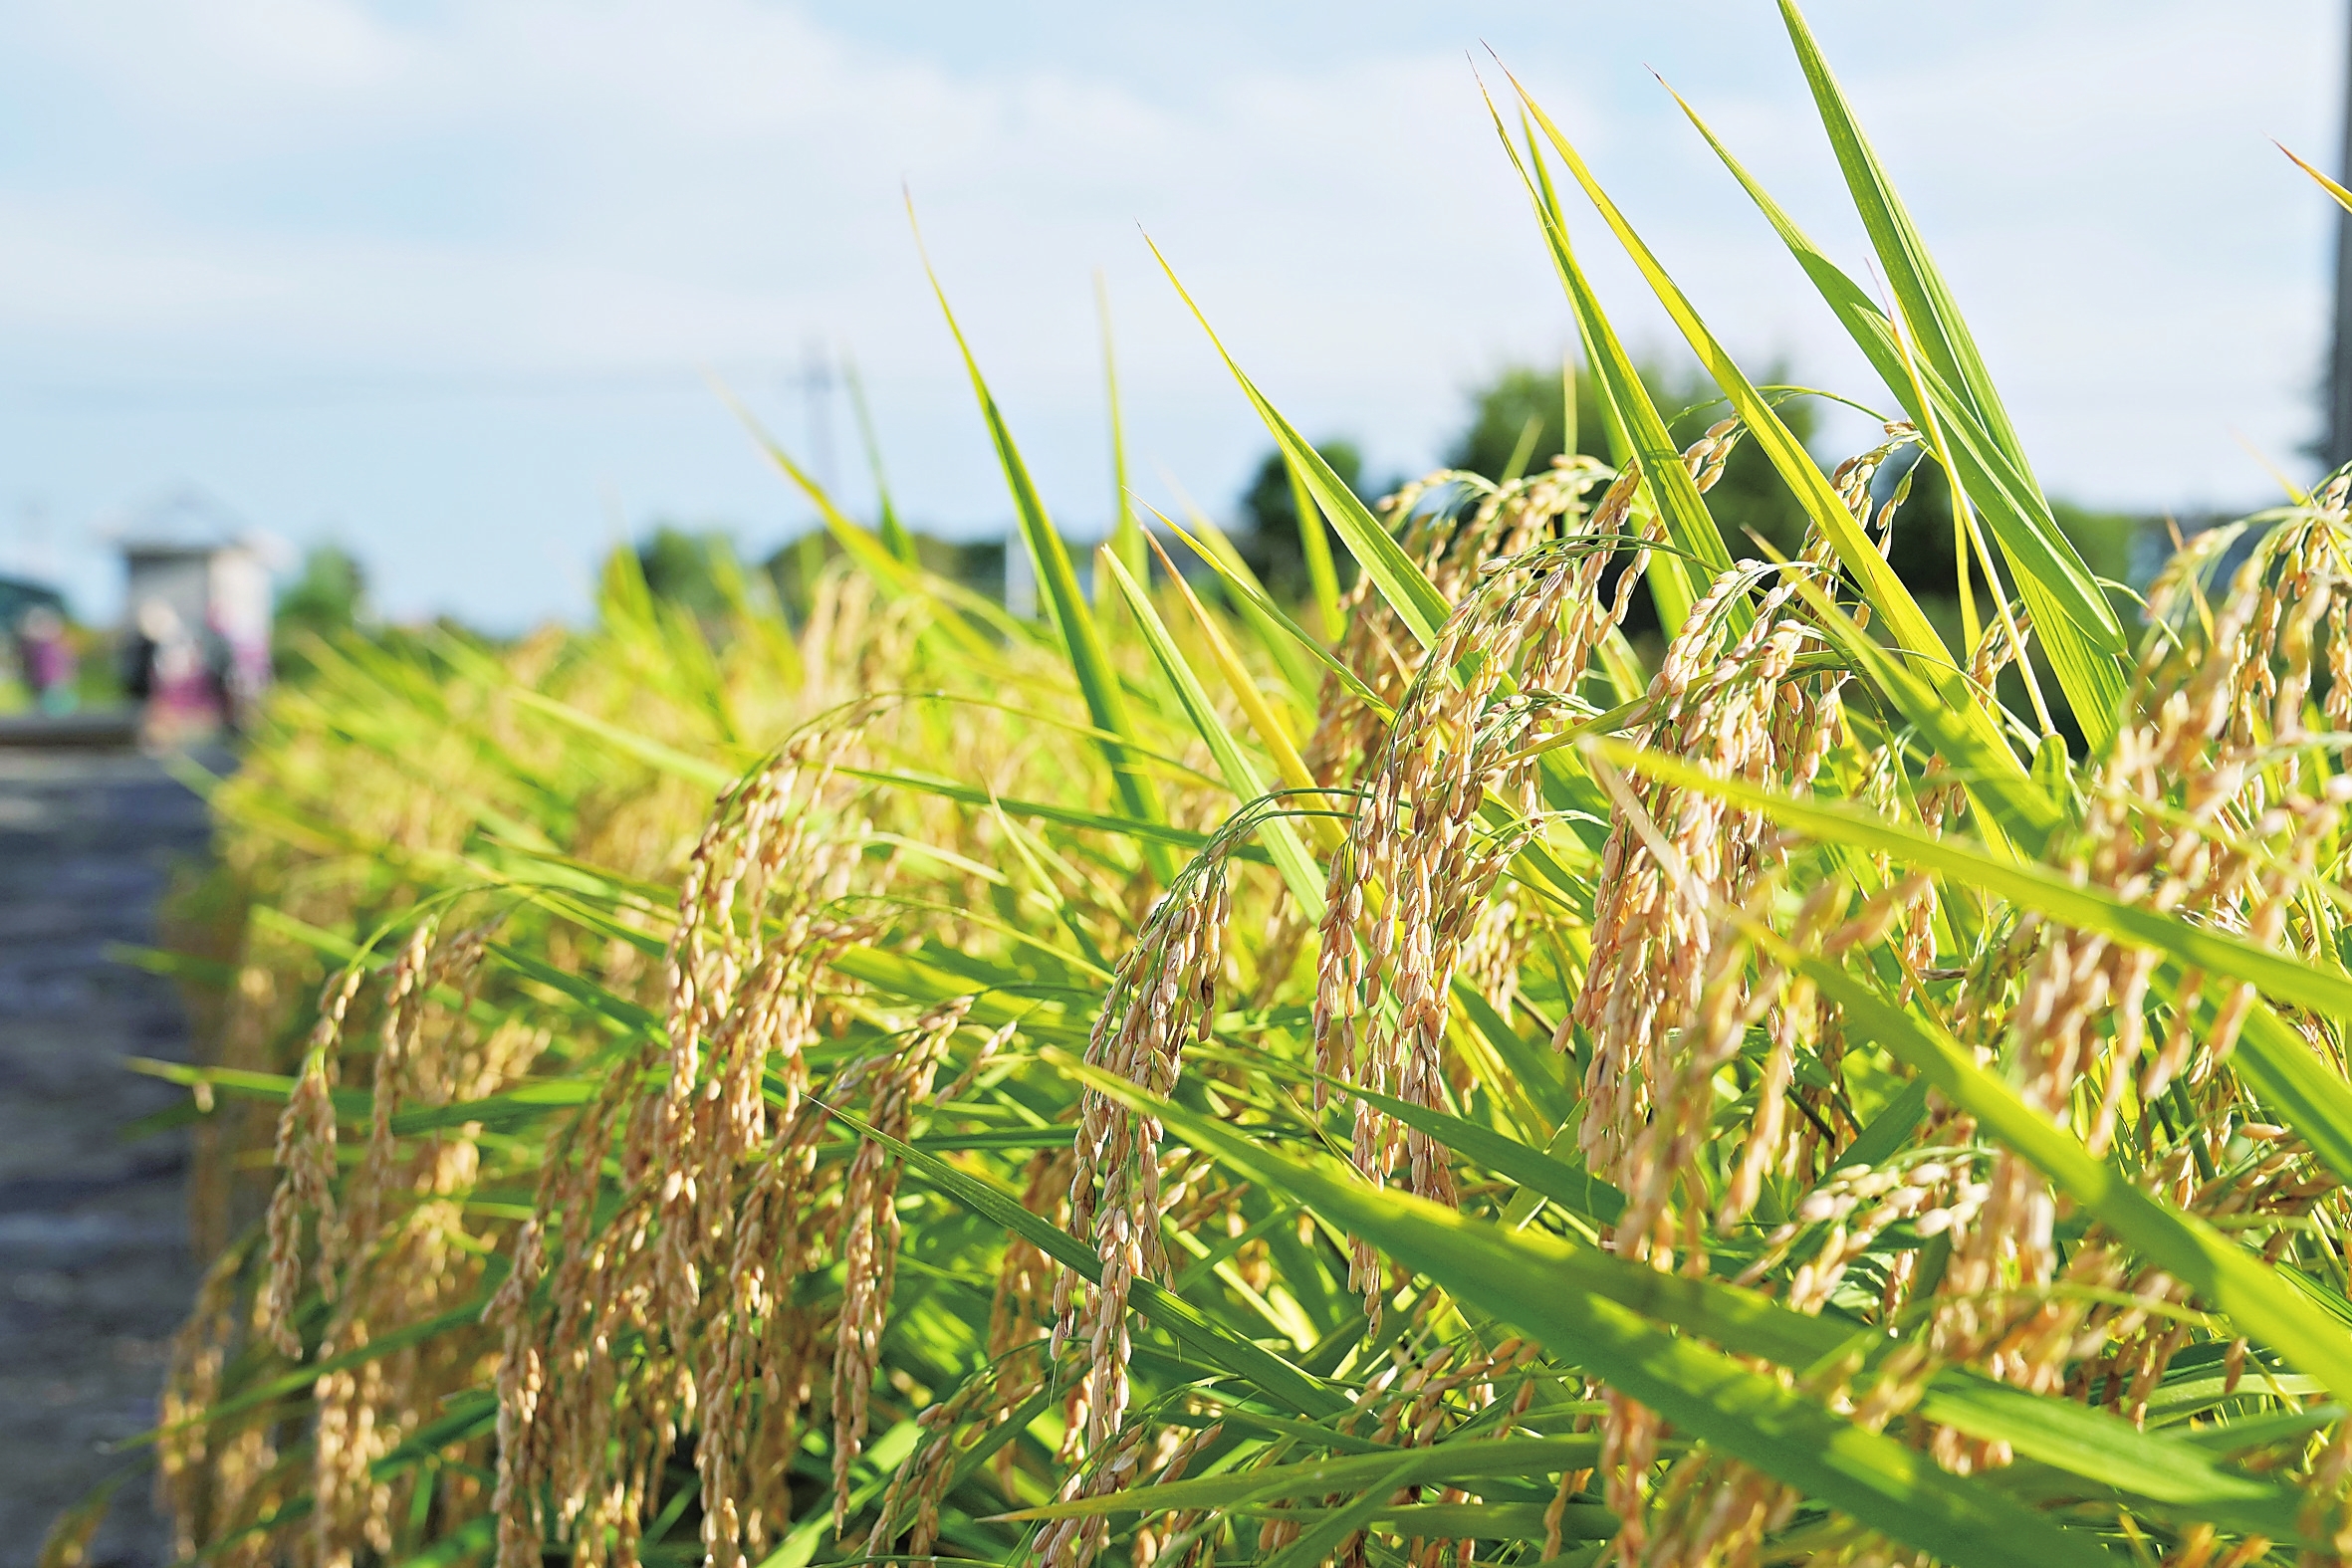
column 437, row 280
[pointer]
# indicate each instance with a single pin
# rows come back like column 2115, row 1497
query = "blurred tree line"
column 1516, row 417
column 326, row 600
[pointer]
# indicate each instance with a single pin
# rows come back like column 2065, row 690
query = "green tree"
column 1503, row 412
column 1269, row 539
column 327, row 599
column 1522, row 403
column 683, row 566
column 793, row 568
column 1523, row 406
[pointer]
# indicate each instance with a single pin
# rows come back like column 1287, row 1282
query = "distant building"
column 196, row 580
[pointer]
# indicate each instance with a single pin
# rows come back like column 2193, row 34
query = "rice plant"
column 1158, row 1081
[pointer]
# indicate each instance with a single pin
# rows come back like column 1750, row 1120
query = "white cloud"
column 252, row 188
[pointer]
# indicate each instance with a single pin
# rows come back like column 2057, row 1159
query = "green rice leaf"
column 1180, row 1319
column 1495, row 1521
column 1323, row 1538
column 627, row 1018
column 1322, row 577
column 1399, row 579
column 2038, row 887
column 1039, row 810
column 1889, row 1130
column 1502, row 1459
column 895, row 539
column 1126, row 535
column 2111, row 1451
column 1220, row 555
column 1751, row 1323
column 873, row 556
column 1572, row 1187
column 1290, row 857
column 2275, row 1061
column 1919, row 288
column 1098, row 682
column 1633, row 416
column 2278, row 1064
column 1544, row 1287
column 2012, row 810
column 1908, row 623
column 2233, row 1280
column 1293, row 651
column 522, row 1104
column 2076, row 624
column 1001, row 996
column 1536, row 1068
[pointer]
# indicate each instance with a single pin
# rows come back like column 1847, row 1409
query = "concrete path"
column 94, row 1272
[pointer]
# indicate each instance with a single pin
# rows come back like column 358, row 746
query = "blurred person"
column 138, row 650
column 165, row 670
column 227, row 682
column 213, row 651
column 46, row 656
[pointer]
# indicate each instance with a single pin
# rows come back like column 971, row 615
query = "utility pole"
column 816, row 382
column 2339, row 360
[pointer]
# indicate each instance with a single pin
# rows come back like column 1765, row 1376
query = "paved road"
column 95, row 1270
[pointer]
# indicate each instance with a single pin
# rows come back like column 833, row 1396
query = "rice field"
column 1411, row 1075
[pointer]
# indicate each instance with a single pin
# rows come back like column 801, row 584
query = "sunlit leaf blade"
column 1572, row 1186
column 1889, row 1130
column 2342, row 196
column 2306, row 1093
column 2112, row 1452
column 1293, row 651
column 896, row 537
column 1264, row 721
column 2012, row 811
column 1536, row 1070
column 384, row 1342
column 1534, row 1283
column 1044, row 810
column 1633, row 418
column 860, row 546
column 1886, row 593
column 1744, row 1319
column 1218, row 552
column 2072, row 618
column 1297, row 868
column 1324, row 1538
column 1495, row 1521
column 1000, row 994
column 1183, row 1323
column 1126, row 535
column 2034, row 886
column 2315, row 1101
column 667, row 758
column 2234, row 1280
column 1919, row 288
column 1523, row 451
column 1098, row 682
column 1502, row 1459
column 1322, row 577
column 1400, row 582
